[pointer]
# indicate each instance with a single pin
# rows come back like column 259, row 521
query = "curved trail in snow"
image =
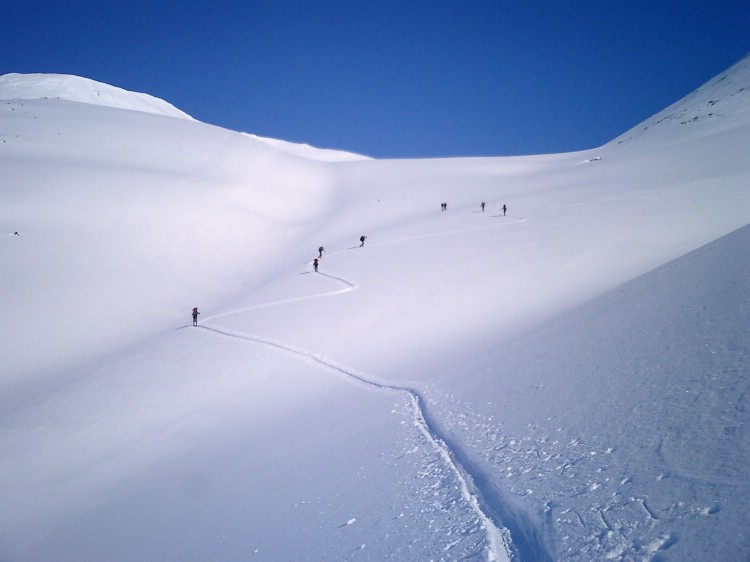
column 348, row 286
column 509, row 221
column 498, row 536
column 512, row 533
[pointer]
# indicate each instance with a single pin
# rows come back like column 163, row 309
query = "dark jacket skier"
column 320, row 251
column 362, row 240
column 315, row 264
column 195, row 316
column 505, row 209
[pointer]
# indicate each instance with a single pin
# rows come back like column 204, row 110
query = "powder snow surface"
column 564, row 381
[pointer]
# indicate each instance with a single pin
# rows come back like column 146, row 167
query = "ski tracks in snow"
column 348, row 286
column 498, row 536
column 510, row 534
column 508, row 222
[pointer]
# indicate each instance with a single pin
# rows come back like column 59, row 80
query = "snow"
column 82, row 90
column 307, row 151
column 566, row 382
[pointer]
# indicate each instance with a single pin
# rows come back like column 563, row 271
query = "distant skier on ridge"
column 315, row 264
column 320, row 251
column 362, row 240
column 195, row 316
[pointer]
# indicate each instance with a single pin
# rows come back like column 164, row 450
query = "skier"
column 195, row 316
column 482, row 205
column 505, row 209
column 362, row 240
column 320, row 251
column 315, row 264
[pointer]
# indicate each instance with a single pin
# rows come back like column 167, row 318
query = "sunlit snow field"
column 565, row 381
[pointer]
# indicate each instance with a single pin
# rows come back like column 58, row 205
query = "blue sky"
column 392, row 78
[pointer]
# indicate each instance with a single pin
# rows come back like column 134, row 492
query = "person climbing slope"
column 195, row 316
column 315, row 264
column 362, row 240
column 320, row 251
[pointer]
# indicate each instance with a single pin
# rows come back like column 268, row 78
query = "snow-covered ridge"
column 721, row 103
column 307, row 151
column 83, row 90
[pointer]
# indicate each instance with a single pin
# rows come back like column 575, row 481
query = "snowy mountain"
column 721, row 103
column 82, row 90
column 566, row 380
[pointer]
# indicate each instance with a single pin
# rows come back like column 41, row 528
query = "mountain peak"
column 719, row 104
column 83, row 90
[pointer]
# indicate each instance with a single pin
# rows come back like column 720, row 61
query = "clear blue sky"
column 392, row 78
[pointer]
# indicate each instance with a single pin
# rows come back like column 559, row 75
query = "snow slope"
column 82, row 90
column 643, row 445
column 567, row 382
